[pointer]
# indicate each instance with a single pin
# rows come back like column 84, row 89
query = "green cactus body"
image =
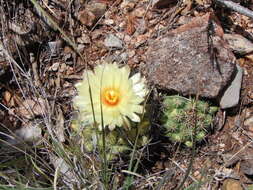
column 117, row 141
column 179, row 118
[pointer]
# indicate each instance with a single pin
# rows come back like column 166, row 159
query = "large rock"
column 189, row 61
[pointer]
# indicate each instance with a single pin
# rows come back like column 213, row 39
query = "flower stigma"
column 110, row 96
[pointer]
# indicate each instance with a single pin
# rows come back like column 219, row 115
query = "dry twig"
column 235, row 7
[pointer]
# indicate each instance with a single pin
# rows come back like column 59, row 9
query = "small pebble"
column 84, row 39
column 131, row 53
column 249, row 123
column 127, row 5
column 141, row 28
column 86, row 17
column 111, row 41
column 140, row 12
column 124, row 56
column 54, row 67
column 109, row 21
column 80, row 47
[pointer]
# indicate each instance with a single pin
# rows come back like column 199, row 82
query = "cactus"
column 179, row 120
column 117, row 141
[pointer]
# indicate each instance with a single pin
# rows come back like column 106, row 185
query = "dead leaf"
column 8, row 99
column 130, row 24
column 59, row 129
column 187, row 8
column 31, row 108
column 200, row 2
column 68, row 173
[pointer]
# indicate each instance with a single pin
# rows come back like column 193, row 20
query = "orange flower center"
column 110, row 96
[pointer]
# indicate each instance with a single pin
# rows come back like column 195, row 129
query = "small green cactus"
column 179, row 118
column 117, row 141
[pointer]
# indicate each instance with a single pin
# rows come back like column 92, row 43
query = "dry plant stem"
column 17, row 29
column 238, row 152
column 68, row 40
column 10, row 58
column 177, row 164
column 39, row 159
column 243, row 148
column 37, row 82
column 104, row 164
column 56, row 26
column 100, row 19
column 56, row 175
column 168, row 175
column 16, row 116
column 235, row 7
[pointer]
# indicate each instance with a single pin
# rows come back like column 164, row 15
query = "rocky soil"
column 195, row 48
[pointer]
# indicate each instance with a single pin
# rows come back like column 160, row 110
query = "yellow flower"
column 119, row 95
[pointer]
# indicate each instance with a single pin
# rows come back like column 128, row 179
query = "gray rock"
column 142, row 28
column 246, row 167
column 186, row 61
column 117, row 57
column 123, row 57
column 111, row 41
column 246, row 164
column 231, row 96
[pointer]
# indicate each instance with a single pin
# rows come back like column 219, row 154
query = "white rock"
column 232, row 95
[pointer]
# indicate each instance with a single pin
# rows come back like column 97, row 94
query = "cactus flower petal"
column 119, row 95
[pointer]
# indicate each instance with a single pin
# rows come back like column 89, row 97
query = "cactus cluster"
column 117, row 141
column 180, row 115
